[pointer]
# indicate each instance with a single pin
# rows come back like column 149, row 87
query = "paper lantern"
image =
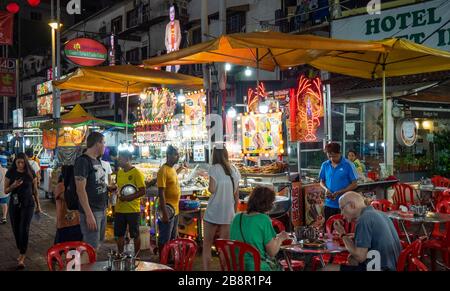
column 13, row 7
column 34, row 3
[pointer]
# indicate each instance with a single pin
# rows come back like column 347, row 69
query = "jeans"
column 20, row 222
column 167, row 231
column 94, row 238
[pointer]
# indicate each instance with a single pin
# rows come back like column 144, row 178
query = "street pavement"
column 42, row 234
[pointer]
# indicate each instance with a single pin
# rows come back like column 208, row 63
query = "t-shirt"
column 375, row 231
column 96, row 187
column 133, row 177
column 257, row 230
column 24, row 191
column 34, row 166
column 167, row 178
column 337, row 178
column 107, row 167
column 2, row 182
column 220, row 208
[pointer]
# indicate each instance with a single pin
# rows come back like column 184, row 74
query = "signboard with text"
column 85, row 52
column 7, row 77
column 426, row 22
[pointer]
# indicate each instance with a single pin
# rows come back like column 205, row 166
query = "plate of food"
column 313, row 243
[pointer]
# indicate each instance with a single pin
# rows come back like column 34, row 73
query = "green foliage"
column 442, row 154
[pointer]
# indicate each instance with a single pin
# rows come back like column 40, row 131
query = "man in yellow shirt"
column 169, row 193
column 128, row 208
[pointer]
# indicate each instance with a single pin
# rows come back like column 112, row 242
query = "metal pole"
column 222, row 72
column 329, row 113
column 58, row 58
column 299, row 161
column 126, row 112
column 384, row 121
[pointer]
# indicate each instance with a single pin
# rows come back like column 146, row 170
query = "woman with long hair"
column 21, row 182
column 222, row 205
column 67, row 221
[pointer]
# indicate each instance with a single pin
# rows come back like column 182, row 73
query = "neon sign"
column 306, row 108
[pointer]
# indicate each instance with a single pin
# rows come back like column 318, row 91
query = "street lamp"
column 54, row 24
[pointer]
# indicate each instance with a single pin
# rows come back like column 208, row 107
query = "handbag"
column 273, row 263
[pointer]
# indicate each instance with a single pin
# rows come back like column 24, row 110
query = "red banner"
column 6, row 27
column 7, row 77
column 297, row 204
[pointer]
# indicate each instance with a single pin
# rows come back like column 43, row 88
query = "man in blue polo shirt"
column 337, row 176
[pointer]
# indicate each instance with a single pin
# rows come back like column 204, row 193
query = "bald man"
column 374, row 231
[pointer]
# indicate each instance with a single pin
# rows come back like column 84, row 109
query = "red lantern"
column 34, row 3
column 13, row 7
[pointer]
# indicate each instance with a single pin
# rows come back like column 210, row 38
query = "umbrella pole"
column 126, row 112
column 385, row 125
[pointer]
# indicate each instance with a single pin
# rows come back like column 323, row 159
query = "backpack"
column 70, row 187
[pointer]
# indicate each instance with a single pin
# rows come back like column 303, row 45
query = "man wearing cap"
column 128, row 208
column 169, row 193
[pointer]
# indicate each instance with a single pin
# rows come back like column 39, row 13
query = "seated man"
column 374, row 231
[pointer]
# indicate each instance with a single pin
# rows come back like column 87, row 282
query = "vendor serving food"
column 337, row 176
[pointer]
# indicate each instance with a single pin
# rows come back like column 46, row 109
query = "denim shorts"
column 94, row 238
column 4, row 200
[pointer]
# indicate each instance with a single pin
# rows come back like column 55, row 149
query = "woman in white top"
column 222, row 205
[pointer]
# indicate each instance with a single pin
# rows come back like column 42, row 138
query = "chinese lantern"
column 34, row 3
column 13, row 7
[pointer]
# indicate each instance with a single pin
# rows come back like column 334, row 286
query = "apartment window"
column 235, row 22
column 116, row 24
column 36, row 16
column 133, row 56
column 146, row 13
column 132, row 18
column 144, row 52
column 196, row 36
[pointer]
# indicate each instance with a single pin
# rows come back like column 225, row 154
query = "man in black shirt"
column 92, row 190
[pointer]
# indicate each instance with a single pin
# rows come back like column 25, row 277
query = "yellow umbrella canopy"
column 265, row 50
column 124, row 78
column 402, row 57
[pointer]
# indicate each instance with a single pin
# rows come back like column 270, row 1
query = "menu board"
column 158, row 104
column 45, row 105
column 149, row 137
column 314, row 204
column 199, row 153
column 194, row 116
column 262, row 133
column 68, row 137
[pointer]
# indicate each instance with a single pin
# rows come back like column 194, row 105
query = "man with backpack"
column 91, row 190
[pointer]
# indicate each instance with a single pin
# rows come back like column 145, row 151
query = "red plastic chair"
column 439, row 181
column 440, row 240
column 296, row 265
column 56, row 251
column 418, row 265
column 402, row 191
column 382, row 205
column 231, row 255
column 385, row 206
column 413, row 250
column 442, row 196
column 184, row 251
column 341, row 258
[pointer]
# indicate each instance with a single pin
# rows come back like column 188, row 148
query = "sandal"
column 20, row 266
column 3, row 221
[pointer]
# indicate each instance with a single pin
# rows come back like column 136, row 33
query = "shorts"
column 122, row 220
column 94, row 238
column 168, row 231
column 70, row 233
column 4, row 200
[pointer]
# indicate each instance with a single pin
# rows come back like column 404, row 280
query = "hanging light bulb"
column 27, row 142
column 248, row 72
column 232, row 112
column 227, row 67
column 263, row 108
